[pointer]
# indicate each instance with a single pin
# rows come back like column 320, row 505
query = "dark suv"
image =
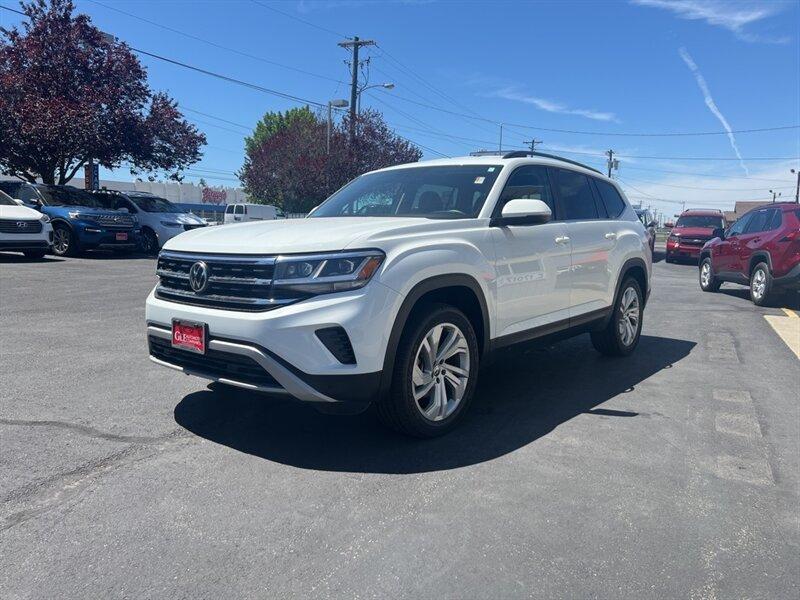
column 762, row 250
column 80, row 221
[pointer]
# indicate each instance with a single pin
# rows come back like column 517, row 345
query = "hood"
column 18, row 212
column 293, row 236
column 693, row 232
column 85, row 209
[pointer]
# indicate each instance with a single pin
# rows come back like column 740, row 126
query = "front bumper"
column 678, row 250
column 283, row 343
column 95, row 236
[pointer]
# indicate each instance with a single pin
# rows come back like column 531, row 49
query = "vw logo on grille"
column 198, row 276
column 22, row 224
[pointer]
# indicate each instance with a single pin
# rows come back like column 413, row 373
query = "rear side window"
column 759, row 221
column 575, row 194
column 613, row 201
column 777, row 220
column 530, row 183
column 229, row 209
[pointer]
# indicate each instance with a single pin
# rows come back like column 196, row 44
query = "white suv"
column 23, row 229
column 396, row 288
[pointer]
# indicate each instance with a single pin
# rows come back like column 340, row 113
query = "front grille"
column 234, row 282
column 21, row 226
column 113, row 221
column 215, row 363
column 692, row 242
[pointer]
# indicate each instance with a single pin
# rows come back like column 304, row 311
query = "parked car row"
column 77, row 220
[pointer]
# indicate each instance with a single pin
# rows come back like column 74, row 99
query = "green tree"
column 291, row 168
column 273, row 122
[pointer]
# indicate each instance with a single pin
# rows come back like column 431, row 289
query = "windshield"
column 5, row 200
column 709, row 222
column 154, row 204
column 64, row 195
column 451, row 192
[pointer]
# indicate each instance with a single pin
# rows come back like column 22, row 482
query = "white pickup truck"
column 397, row 287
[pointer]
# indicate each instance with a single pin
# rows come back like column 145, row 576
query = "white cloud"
column 733, row 16
column 512, row 93
column 712, row 106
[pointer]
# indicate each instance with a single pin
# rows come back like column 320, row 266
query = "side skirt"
column 560, row 330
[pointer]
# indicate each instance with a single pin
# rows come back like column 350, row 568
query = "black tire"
column 149, row 242
column 610, row 340
column 35, row 254
column 64, row 241
column 761, row 292
column 399, row 410
column 712, row 283
column 668, row 258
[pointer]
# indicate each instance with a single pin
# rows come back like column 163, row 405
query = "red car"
column 762, row 250
column 693, row 229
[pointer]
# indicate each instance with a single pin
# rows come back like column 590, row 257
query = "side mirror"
column 124, row 209
column 652, row 224
column 719, row 232
column 523, row 212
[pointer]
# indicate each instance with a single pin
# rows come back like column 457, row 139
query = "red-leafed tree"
column 287, row 163
column 68, row 94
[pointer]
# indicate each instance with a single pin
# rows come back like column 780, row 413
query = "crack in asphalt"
column 90, row 431
column 66, row 485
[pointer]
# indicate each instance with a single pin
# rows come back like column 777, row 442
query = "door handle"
column 562, row 239
column 611, row 236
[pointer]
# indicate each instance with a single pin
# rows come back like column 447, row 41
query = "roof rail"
column 524, row 153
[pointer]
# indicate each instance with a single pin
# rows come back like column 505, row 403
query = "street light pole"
column 386, row 86
column 797, row 189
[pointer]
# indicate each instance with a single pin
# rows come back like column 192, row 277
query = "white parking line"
column 787, row 328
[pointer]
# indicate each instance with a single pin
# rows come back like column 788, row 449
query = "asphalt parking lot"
column 673, row 473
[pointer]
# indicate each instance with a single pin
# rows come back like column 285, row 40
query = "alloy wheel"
column 759, row 283
column 441, row 371
column 705, row 274
column 61, row 241
column 629, row 316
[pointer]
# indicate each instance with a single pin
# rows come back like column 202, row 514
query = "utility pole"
column 532, row 144
column 613, row 163
column 354, row 44
column 775, row 195
column 797, row 189
column 501, row 137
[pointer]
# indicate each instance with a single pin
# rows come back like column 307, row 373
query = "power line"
column 216, row 45
column 248, row 127
column 296, row 18
column 14, row 10
column 690, row 187
column 690, row 173
column 600, row 133
column 231, row 79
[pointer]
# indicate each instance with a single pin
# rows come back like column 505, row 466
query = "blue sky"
column 652, row 66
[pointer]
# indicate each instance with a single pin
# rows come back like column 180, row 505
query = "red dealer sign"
column 212, row 196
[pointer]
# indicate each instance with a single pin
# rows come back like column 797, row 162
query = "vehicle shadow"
column 19, row 258
column 788, row 299
column 521, row 398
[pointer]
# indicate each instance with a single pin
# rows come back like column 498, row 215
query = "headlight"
column 171, row 224
column 74, row 214
column 45, row 219
column 325, row 273
column 673, row 237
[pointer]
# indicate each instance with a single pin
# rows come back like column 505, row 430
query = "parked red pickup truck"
column 693, row 229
